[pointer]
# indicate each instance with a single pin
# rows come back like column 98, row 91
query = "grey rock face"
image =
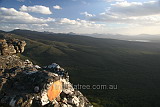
column 11, row 61
column 23, row 84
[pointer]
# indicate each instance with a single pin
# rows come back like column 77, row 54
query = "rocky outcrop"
column 23, row 84
column 11, row 46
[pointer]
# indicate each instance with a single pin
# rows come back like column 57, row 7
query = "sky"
column 129, row 17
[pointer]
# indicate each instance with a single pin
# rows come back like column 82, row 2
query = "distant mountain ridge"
column 138, row 38
column 147, row 37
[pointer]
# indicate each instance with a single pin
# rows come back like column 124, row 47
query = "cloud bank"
column 131, row 13
column 36, row 9
column 12, row 16
column 11, row 19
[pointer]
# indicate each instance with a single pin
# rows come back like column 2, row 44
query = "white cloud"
column 87, row 14
column 64, row 25
column 21, row 0
column 57, row 7
column 68, row 21
column 11, row 19
column 79, row 23
column 135, row 8
column 131, row 13
column 126, row 4
column 113, row 0
column 12, row 16
column 36, row 9
column 131, row 17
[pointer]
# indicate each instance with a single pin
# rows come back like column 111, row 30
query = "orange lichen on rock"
column 54, row 90
column 2, row 40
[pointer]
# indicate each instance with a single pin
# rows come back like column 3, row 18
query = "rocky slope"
column 23, row 84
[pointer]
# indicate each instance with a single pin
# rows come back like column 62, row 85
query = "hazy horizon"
column 84, row 33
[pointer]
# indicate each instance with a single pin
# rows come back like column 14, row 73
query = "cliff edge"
column 23, row 84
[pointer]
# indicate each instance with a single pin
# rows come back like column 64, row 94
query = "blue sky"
column 82, row 16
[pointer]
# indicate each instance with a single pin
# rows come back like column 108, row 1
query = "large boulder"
column 11, row 46
column 23, row 84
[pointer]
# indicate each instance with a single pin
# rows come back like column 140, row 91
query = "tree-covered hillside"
column 132, row 66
